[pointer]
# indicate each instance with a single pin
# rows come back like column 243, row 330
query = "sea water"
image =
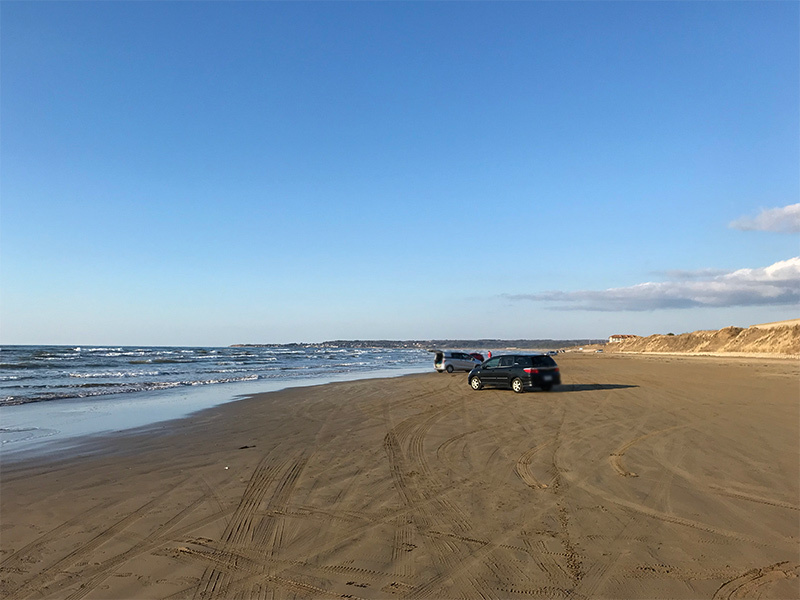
column 54, row 393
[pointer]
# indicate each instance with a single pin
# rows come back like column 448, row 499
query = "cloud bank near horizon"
column 775, row 285
column 785, row 219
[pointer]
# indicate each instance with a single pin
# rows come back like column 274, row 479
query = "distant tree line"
column 430, row 344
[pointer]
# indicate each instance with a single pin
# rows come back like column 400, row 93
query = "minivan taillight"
column 529, row 370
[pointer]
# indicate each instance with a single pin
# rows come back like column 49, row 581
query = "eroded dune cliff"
column 772, row 338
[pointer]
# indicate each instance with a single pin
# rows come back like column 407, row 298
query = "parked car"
column 517, row 371
column 450, row 361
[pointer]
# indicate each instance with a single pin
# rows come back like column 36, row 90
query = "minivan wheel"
column 449, row 368
column 475, row 383
column 517, row 385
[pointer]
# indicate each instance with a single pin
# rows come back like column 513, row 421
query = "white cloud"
column 699, row 274
column 777, row 284
column 782, row 220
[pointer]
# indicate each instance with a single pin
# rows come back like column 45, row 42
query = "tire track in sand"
column 93, row 577
column 751, row 497
column 14, row 562
column 250, row 578
column 616, row 457
column 748, row 584
column 416, row 485
column 41, row 581
column 216, row 581
column 269, row 536
column 663, row 516
column 523, row 464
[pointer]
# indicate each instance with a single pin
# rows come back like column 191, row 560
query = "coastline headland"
column 531, row 344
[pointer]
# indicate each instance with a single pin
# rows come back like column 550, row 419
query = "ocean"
column 51, row 393
column 49, row 373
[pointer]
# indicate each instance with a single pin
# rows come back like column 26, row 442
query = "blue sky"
column 211, row 173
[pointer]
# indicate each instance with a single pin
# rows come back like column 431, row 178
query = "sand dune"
column 782, row 338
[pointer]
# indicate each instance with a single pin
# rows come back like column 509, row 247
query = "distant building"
column 620, row 337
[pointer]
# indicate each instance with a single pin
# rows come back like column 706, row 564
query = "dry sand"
column 641, row 477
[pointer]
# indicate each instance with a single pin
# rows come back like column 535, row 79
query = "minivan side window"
column 506, row 361
column 491, row 363
column 523, row 361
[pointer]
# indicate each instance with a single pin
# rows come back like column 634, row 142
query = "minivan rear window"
column 543, row 361
column 535, row 361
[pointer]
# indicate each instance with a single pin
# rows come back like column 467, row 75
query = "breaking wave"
column 45, row 373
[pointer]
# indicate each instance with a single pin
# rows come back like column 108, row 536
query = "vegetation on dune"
column 783, row 340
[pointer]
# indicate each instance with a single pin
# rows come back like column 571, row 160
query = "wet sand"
column 640, row 477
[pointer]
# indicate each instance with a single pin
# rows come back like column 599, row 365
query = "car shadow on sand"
column 591, row 387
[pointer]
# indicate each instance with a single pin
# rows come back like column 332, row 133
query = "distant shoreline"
column 432, row 344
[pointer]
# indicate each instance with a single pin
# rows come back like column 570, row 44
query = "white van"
column 450, row 361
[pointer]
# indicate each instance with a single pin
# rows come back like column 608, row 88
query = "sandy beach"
column 640, row 477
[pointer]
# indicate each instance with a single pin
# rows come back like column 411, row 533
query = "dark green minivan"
column 516, row 371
